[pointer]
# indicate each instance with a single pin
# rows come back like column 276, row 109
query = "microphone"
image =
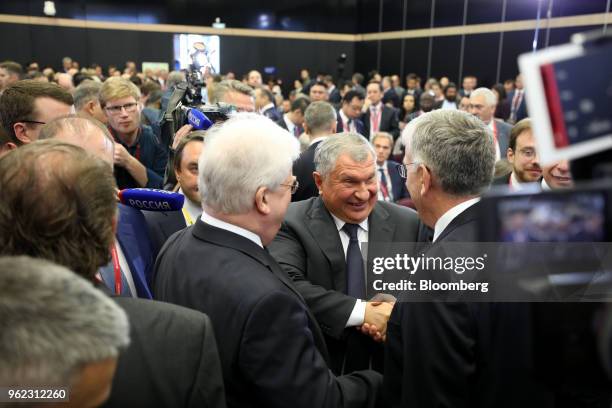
column 197, row 119
column 149, row 199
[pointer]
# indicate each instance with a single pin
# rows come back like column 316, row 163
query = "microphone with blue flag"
column 149, row 199
column 197, row 119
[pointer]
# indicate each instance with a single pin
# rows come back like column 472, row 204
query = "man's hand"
column 375, row 322
column 122, row 156
column 180, row 134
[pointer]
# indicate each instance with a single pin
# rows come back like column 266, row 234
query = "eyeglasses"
column 294, row 186
column 116, row 110
column 527, row 153
column 402, row 169
column 36, row 122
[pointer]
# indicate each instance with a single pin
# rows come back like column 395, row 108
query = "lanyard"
column 116, row 269
column 188, row 219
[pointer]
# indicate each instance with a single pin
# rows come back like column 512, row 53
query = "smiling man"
column 140, row 160
column 319, row 247
column 522, row 156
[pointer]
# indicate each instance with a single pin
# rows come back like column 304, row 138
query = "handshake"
column 378, row 310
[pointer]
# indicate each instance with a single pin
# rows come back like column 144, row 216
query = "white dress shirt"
column 493, row 126
column 385, row 170
column 358, row 314
column 290, row 125
column 194, row 210
column 448, row 217
column 345, row 119
column 215, row 222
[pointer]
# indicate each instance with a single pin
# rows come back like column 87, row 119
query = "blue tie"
column 354, row 264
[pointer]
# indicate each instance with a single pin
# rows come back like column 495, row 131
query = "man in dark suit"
column 319, row 123
column 162, row 224
column 523, row 158
column 350, row 113
column 378, row 117
column 518, row 105
column 271, row 348
column 172, row 358
column 293, row 121
column 391, row 185
column 455, row 354
column 264, row 102
column 332, row 90
column 132, row 247
column 314, row 247
column 482, row 104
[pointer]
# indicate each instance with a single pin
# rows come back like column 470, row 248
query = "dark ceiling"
column 339, row 16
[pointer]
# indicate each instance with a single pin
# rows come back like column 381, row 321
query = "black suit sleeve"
column 394, row 124
column 331, row 308
column 278, row 355
column 429, row 356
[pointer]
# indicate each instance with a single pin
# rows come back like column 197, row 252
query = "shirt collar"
column 268, row 106
column 448, row 217
column 289, row 123
column 545, row 185
column 344, row 117
column 316, row 139
column 210, row 220
column 194, row 209
column 339, row 223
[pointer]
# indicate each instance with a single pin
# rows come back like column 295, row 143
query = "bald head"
column 87, row 133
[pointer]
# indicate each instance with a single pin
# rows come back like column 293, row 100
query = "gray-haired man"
column 58, row 331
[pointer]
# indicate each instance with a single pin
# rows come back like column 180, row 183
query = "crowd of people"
column 255, row 292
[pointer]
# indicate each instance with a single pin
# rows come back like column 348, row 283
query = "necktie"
column 515, row 104
column 354, row 263
column 384, row 187
column 296, row 131
column 375, row 120
column 348, row 125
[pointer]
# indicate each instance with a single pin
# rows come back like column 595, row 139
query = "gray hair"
column 354, row 145
column 458, row 149
column 229, row 85
column 52, row 322
column 87, row 91
column 318, row 117
column 490, row 98
column 384, row 135
column 245, row 153
column 174, row 78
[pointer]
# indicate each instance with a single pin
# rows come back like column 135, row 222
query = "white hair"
column 245, row 153
column 52, row 322
column 490, row 98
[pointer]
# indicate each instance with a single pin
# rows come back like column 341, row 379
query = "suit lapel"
column 381, row 231
column 324, row 232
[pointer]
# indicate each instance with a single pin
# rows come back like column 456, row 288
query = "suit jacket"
column 302, row 170
column 389, row 122
column 398, row 184
column 133, row 238
column 309, row 250
column 172, row 360
column 334, row 97
column 162, row 224
column 271, row 348
column 457, row 354
column 272, row 114
column 521, row 112
column 359, row 126
column 503, row 136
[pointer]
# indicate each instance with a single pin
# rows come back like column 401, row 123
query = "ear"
column 21, row 132
column 318, row 180
column 510, row 155
column 90, row 107
column 261, row 201
column 426, row 179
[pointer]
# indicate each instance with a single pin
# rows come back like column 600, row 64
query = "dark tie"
column 354, row 264
column 384, row 187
